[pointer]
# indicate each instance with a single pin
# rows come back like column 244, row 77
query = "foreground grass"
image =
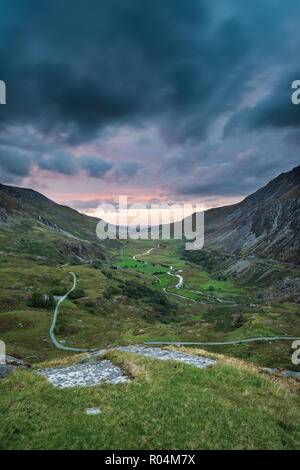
column 167, row 405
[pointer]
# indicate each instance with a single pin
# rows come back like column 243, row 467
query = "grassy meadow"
column 167, row 405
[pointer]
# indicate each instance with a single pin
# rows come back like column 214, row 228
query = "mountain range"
column 264, row 224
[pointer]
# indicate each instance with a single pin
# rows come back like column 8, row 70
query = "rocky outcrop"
column 47, row 222
column 74, row 249
column 287, row 289
column 10, row 365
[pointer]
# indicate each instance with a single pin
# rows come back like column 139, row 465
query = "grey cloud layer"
column 76, row 70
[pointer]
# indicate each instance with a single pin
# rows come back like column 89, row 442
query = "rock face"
column 287, row 289
column 13, row 361
column 47, row 222
column 77, row 249
column 166, row 355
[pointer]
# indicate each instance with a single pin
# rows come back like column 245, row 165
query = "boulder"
column 11, row 364
column 13, row 361
column 5, row 370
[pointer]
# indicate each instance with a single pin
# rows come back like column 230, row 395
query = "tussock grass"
column 60, row 361
column 127, row 363
column 168, row 405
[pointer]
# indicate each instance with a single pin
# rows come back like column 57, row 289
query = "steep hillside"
column 32, row 224
column 265, row 224
column 30, row 203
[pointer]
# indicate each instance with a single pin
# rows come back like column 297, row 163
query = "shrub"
column 50, row 302
column 110, row 291
column 199, row 257
column 77, row 294
column 39, row 300
column 107, row 274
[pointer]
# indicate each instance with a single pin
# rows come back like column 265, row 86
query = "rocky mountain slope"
column 264, row 224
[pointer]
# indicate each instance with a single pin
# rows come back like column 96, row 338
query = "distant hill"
column 20, row 202
column 31, row 223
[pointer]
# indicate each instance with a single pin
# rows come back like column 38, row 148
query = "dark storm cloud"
column 14, row 162
column 125, row 169
column 95, row 166
column 275, row 110
column 97, row 65
column 76, row 70
column 61, row 162
column 82, row 68
column 241, row 176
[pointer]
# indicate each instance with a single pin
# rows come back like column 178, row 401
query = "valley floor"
column 156, row 296
column 146, row 292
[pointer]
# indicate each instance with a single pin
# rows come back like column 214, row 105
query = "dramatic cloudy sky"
column 164, row 99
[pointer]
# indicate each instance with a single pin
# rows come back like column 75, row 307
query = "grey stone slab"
column 165, row 355
column 84, row 375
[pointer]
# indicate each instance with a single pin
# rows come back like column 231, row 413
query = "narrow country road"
column 53, row 339
column 142, row 254
column 179, row 277
column 253, row 257
column 179, row 343
column 180, row 284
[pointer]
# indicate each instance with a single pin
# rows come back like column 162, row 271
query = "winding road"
column 178, row 343
column 142, row 254
column 53, row 339
column 179, row 277
column 253, row 257
column 250, row 340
